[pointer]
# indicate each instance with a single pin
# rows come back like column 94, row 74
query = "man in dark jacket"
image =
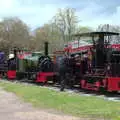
column 77, row 68
column 63, row 70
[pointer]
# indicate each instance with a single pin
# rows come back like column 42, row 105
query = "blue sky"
column 37, row 12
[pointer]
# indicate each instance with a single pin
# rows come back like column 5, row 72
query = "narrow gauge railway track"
column 76, row 90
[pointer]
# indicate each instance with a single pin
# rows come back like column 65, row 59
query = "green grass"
column 68, row 103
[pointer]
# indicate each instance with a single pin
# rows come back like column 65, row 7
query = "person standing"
column 77, row 69
column 63, row 70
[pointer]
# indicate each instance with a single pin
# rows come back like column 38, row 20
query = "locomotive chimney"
column 46, row 48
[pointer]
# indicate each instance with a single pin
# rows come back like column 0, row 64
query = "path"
column 11, row 108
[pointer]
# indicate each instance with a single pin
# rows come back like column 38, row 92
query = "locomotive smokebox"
column 46, row 48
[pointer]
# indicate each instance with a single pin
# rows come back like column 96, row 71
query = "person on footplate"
column 84, row 64
column 77, row 67
column 72, row 67
column 63, row 70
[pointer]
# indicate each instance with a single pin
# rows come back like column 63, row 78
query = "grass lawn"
column 69, row 103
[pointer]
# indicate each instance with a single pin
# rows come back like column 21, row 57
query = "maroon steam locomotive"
column 104, row 70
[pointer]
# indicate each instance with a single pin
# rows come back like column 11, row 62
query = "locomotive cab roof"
column 101, row 36
column 92, row 34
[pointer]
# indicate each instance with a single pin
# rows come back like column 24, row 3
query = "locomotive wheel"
column 20, row 75
column 42, row 83
column 56, row 79
column 114, row 92
column 5, row 75
column 102, row 90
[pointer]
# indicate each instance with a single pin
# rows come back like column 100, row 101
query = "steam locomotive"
column 31, row 66
column 104, row 73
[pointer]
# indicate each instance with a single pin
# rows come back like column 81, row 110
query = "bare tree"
column 110, row 28
column 66, row 21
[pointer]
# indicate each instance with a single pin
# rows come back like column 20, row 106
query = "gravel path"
column 11, row 108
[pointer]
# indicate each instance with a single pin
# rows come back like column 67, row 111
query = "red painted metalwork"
column 82, row 83
column 113, row 84
column 23, row 55
column 87, row 48
column 11, row 74
column 104, row 83
column 83, row 48
column 90, row 86
column 94, row 86
column 42, row 76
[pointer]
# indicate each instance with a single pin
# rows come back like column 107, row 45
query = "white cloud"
column 7, row 4
column 39, row 16
column 32, row 15
column 115, row 18
column 36, row 13
column 94, row 14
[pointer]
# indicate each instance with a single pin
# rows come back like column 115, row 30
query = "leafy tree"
column 49, row 33
column 14, row 32
column 83, row 29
